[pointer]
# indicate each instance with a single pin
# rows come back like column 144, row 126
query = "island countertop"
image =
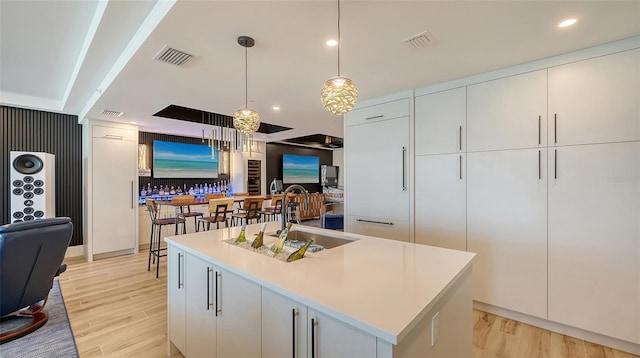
column 380, row 286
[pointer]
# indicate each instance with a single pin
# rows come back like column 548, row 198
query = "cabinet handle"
column 539, row 130
column 555, row 164
column 216, row 294
column 460, row 138
column 404, row 166
column 460, row 168
column 375, row 222
column 180, row 284
column 293, row 332
column 313, row 337
column 111, row 136
column 132, row 191
column 539, row 165
column 374, row 117
column 209, row 304
column 555, row 128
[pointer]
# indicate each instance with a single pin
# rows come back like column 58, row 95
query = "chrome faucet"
column 285, row 206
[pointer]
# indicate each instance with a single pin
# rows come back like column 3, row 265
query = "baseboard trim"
column 74, row 251
column 607, row 341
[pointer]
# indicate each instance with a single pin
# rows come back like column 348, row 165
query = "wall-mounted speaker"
column 32, row 186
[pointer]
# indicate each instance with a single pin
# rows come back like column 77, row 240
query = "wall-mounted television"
column 300, row 169
column 184, row 160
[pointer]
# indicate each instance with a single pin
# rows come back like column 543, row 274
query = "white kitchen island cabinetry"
column 213, row 311
column 339, row 289
column 378, row 168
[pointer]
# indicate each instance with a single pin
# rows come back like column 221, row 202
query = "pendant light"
column 339, row 94
column 246, row 120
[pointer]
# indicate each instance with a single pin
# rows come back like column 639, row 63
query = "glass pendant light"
column 339, row 94
column 246, row 120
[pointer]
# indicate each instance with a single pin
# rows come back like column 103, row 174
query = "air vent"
column 172, row 56
column 112, row 114
column 420, row 40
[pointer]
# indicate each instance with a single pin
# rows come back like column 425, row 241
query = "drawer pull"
column 375, row 222
column 111, row 136
column 375, row 117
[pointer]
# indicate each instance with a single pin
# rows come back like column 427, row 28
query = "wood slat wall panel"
column 38, row 131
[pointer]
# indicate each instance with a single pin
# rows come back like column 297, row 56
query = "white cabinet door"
column 176, row 293
column 239, row 311
column 595, row 100
column 594, row 238
column 284, row 326
column 440, row 122
column 377, row 162
column 201, row 310
column 114, row 195
column 441, row 202
column 507, row 228
column 329, row 337
column 508, row 113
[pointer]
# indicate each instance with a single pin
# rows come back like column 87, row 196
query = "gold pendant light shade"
column 339, row 95
column 246, row 120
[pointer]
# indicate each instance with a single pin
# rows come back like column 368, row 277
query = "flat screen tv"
column 183, row 160
column 300, row 169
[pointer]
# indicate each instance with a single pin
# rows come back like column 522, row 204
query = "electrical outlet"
column 435, row 329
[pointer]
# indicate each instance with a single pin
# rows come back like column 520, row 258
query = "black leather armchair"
column 31, row 255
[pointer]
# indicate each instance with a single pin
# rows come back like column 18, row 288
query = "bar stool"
column 219, row 209
column 183, row 201
column 252, row 209
column 155, row 248
column 273, row 211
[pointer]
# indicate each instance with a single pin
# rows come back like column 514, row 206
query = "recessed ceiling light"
column 332, row 43
column 567, row 22
column 276, row 108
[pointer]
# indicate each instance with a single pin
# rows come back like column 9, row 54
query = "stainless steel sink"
column 328, row 242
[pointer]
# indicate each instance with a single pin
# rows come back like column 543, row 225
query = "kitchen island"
column 370, row 297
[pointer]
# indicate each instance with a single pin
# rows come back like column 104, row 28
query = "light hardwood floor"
column 119, row 309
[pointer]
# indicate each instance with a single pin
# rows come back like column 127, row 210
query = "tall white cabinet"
column 111, row 178
column 536, row 170
column 594, row 238
column 440, row 184
column 378, row 159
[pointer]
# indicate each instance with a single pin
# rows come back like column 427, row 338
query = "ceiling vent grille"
column 172, row 56
column 112, row 114
column 420, row 40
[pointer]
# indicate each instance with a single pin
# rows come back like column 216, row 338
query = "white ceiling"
column 81, row 57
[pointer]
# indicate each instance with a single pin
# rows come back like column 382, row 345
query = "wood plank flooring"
column 119, row 309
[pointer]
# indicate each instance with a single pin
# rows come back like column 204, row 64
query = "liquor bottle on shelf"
column 166, row 190
column 155, row 190
column 184, row 189
column 148, row 188
column 161, row 190
column 299, row 253
column 172, row 191
column 210, row 190
column 201, row 189
column 259, row 239
column 278, row 246
column 143, row 191
column 229, row 190
column 205, row 189
column 243, row 236
column 179, row 190
column 191, row 191
column 215, row 188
